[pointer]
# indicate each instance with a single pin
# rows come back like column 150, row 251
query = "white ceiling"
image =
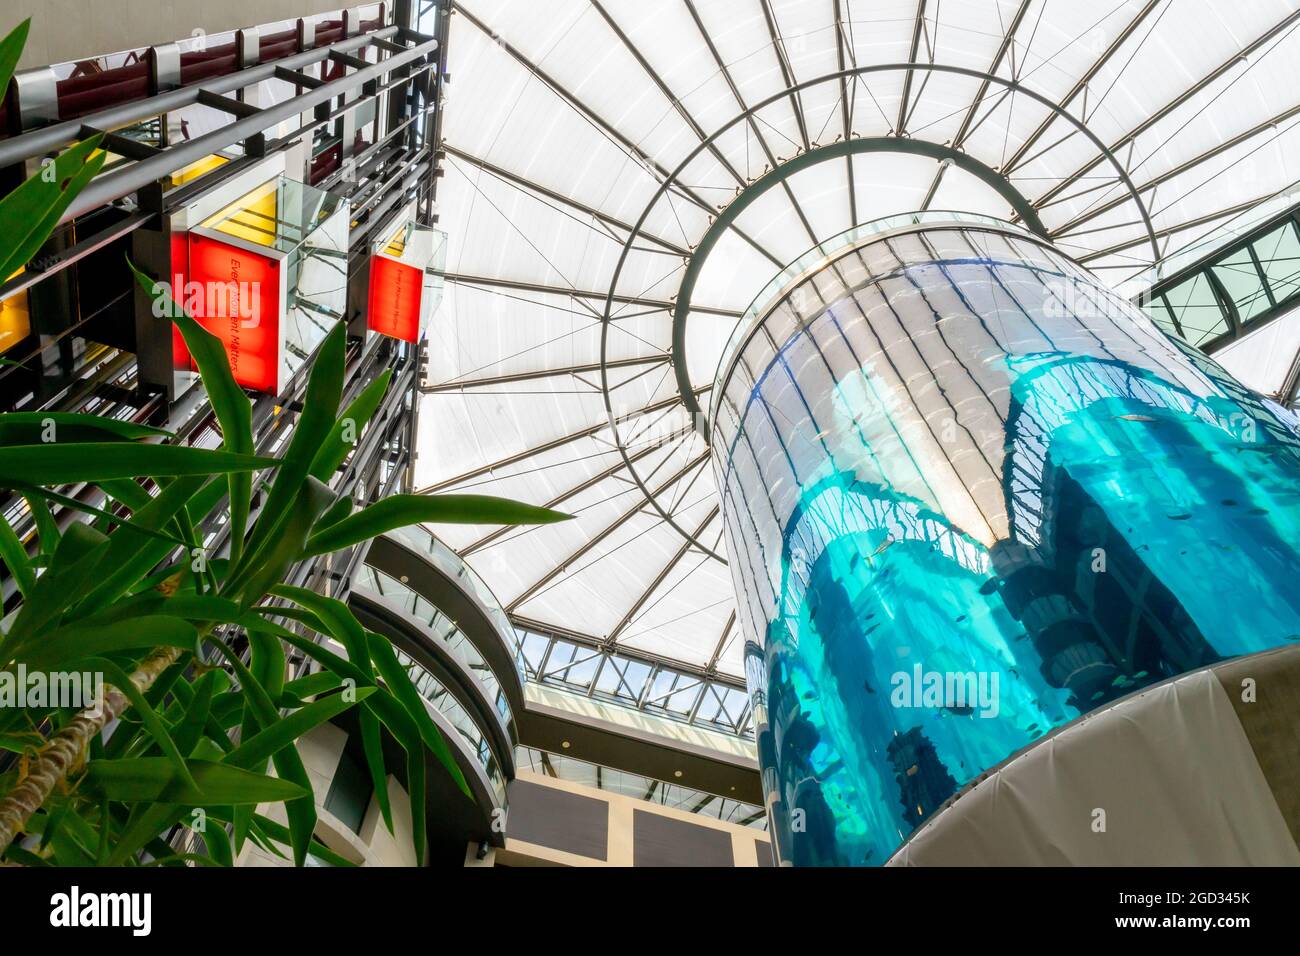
column 552, row 96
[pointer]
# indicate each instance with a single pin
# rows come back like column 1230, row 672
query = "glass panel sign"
column 268, row 276
column 399, row 304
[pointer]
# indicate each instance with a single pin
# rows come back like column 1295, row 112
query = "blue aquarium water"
column 970, row 495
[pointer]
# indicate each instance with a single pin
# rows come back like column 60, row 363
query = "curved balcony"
column 421, row 563
column 454, row 673
column 451, row 820
column 455, row 639
column 444, row 702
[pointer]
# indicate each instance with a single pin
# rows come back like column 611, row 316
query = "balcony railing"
column 436, row 693
column 424, row 542
column 423, row 612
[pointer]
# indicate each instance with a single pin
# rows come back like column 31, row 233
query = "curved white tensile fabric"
column 564, row 118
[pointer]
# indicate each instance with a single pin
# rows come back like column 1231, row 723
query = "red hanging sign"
column 395, row 293
column 235, row 295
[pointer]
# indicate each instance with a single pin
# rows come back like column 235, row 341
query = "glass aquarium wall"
column 969, row 495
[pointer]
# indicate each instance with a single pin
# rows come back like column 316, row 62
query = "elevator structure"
column 979, row 511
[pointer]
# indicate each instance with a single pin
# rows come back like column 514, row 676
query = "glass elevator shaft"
column 971, row 494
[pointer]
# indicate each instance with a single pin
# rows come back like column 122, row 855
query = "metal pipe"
column 103, row 191
column 38, row 142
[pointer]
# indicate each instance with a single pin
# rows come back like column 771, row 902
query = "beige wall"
column 744, row 840
column 64, row 30
column 374, row 845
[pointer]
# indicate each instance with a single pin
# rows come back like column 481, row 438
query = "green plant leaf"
column 16, row 854
column 288, row 764
column 76, row 642
column 109, row 518
column 32, row 428
column 190, row 729
column 11, row 51
column 74, row 569
column 271, row 740
column 202, row 504
column 125, row 491
column 315, row 651
column 267, row 662
column 230, row 405
column 154, row 779
column 280, row 833
column 32, row 211
column 417, row 790
column 399, row 511
column 132, row 554
column 143, row 826
column 269, row 564
column 373, row 746
column 402, row 727
column 69, row 847
column 318, row 683
column 148, row 716
column 47, row 529
column 57, row 464
column 16, row 560
column 335, row 512
column 339, row 622
column 320, row 404
column 359, row 412
column 217, row 841
column 399, row 683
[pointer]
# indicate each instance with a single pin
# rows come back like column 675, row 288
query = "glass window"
column 350, row 793
column 1197, row 309
column 1244, row 284
column 1279, row 256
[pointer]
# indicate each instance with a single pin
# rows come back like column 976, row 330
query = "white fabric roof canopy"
column 564, row 118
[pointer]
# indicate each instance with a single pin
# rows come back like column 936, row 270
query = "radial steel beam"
column 540, row 287
column 1216, row 150
column 918, row 27
column 722, row 642
column 1008, row 39
column 1114, row 148
column 608, row 128
column 1081, row 84
column 559, row 500
column 514, row 377
column 787, row 72
column 531, row 452
column 654, row 660
column 522, row 181
column 659, row 578
column 846, row 110
column 964, row 129
column 772, row 161
column 1181, row 227
column 668, row 94
column 596, row 539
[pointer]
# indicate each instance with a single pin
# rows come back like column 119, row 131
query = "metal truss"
column 1234, row 291
column 725, row 220
column 629, row 678
column 919, row 66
